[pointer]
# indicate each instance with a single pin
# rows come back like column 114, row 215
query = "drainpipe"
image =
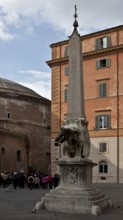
column 117, row 110
column 60, row 104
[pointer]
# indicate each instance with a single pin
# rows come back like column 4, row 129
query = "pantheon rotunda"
column 24, row 129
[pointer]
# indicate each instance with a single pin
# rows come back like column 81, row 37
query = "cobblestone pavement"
column 18, row 205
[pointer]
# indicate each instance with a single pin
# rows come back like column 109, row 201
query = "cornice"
column 25, row 98
column 88, row 55
column 94, row 34
column 3, row 130
column 58, row 61
column 23, row 122
column 103, row 52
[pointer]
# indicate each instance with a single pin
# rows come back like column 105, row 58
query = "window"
column 103, row 147
column 66, row 70
column 102, row 121
column 3, row 150
column 9, row 115
column 102, row 90
column 103, row 63
column 103, row 42
column 48, row 153
column 103, row 178
column 66, row 51
column 18, row 155
column 45, row 120
column 65, row 93
column 103, row 167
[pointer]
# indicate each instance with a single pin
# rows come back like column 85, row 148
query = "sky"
column 29, row 27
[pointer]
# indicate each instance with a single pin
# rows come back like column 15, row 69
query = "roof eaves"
column 90, row 35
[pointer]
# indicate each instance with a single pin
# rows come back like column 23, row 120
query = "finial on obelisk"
column 75, row 24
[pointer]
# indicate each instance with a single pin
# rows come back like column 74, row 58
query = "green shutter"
column 108, row 41
column 66, row 51
column 108, row 62
column 100, row 90
column 104, row 89
column 65, row 95
column 98, row 44
column 97, row 121
column 66, row 70
column 98, row 64
column 108, row 121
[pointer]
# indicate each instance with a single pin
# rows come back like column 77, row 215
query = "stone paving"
column 18, row 205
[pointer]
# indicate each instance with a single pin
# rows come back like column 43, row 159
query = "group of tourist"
column 32, row 181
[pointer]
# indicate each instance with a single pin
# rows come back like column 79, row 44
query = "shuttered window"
column 103, row 63
column 102, row 121
column 102, row 90
column 103, row 42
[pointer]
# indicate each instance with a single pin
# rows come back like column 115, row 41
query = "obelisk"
column 75, row 78
column 75, row 194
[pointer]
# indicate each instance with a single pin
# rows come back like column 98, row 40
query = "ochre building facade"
column 24, row 129
column 103, row 95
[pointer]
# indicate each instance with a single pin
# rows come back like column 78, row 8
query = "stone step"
column 75, row 197
column 73, row 205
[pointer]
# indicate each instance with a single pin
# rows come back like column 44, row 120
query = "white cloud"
column 93, row 14
column 36, row 74
column 38, row 81
column 4, row 35
column 25, row 15
column 42, row 88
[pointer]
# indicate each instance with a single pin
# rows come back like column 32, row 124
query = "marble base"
column 75, row 194
column 80, row 201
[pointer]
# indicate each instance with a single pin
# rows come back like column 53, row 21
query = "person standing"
column 36, row 182
column 31, row 181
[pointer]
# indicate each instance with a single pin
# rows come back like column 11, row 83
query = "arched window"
column 103, row 167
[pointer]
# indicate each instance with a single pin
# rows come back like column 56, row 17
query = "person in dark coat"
column 15, row 180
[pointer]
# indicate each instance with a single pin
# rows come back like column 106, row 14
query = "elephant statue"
column 76, row 139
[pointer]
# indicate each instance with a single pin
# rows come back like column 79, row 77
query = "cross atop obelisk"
column 75, row 24
column 75, row 79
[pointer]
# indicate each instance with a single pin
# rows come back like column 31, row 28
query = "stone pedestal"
column 75, row 194
column 75, row 172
